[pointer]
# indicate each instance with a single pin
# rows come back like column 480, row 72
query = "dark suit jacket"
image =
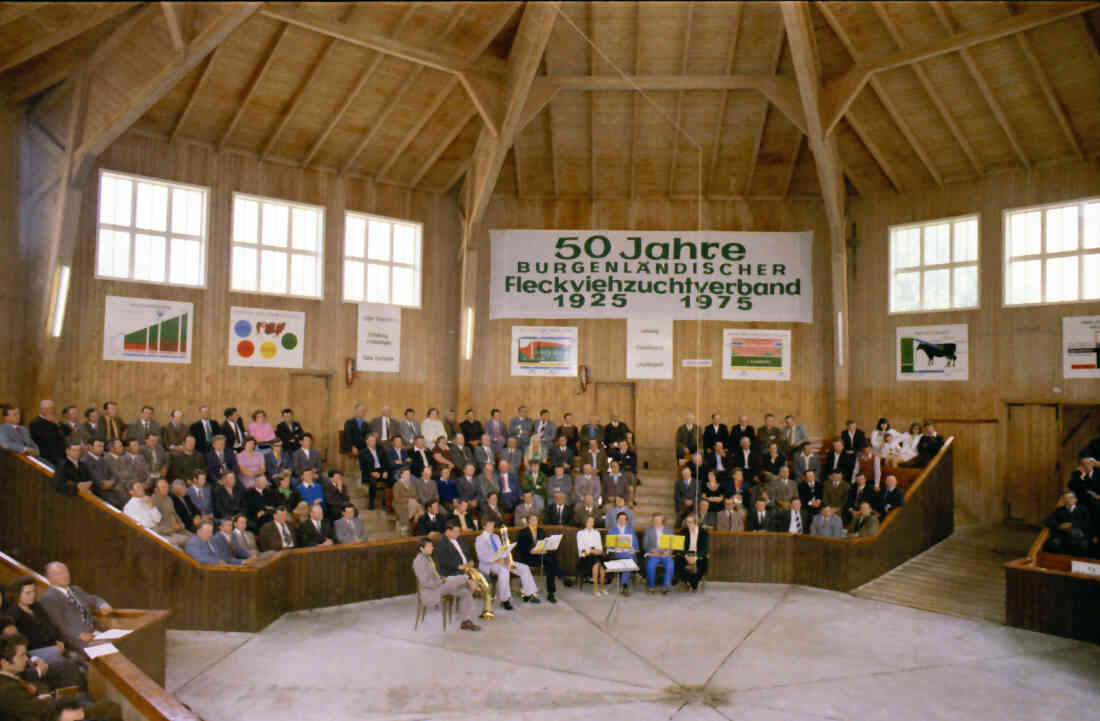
column 50, row 439
column 270, row 539
column 308, row 535
column 889, row 500
column 19, row 704
column 353, row 437
column 417, row 461
column 752, row 523
column 227, row 504
column 395, row 466
column 929, row 446
column 227, row 430
column 702, row 544
column 367, row 465
column 782, row 522
column 751, row 469
column 560, row 457
column 202, row 443
column 68, row 475
column 274, row 466
column 858, row 444
column 737, row 433
column 447, row 558
column 1079, row 518
column 554, row 519
column 856, row 497
column 806, row 494
column 712, row 436
column 185, row 510
column 425, row 525
column 290, row 435
column 213, row 465
column 846, row 464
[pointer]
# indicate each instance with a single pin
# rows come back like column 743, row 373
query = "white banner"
column 1081, row 346
column 756, row 355
column 649, row 348
column 933, row 353
column 148, row 331
column 378, row 342
column 684, row 275
column 266, row 337
column 544, row 351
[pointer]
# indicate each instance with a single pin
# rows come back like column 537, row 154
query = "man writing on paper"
column 534, row 548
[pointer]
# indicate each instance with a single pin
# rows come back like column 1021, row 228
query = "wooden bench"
column 1041, row 594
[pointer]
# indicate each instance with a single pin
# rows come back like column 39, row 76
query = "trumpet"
column 481, row 585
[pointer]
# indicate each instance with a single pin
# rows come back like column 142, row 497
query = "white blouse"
column 877, row 440
column 588, row 538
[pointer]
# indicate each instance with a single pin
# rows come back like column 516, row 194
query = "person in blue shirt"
column 447, row 489
column 657, row 556
column 200, row 547
column 309, row 490
column 622, row 528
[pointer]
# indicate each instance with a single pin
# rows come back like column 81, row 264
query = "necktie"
column 84, row 615
column 434, row 569
column 287, row 540
column 385, row 437
column 797, row 521
column 504, row 478
column 496, row 545
column 760, row 518
column 114, row 430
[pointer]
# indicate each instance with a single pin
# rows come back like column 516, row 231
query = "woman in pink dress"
column 261, row 430
column 250, row 462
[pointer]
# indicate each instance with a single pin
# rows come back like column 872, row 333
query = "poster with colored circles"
column 262, row 337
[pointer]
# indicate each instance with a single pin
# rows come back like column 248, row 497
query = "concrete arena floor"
column 752, row 652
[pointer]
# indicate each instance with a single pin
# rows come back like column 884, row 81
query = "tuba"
column 481, row 585
column 504, row 539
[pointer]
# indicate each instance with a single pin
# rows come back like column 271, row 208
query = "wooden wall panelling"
column 660, row 405
column 428, row 337
column 13, row 353
column 1015, row 352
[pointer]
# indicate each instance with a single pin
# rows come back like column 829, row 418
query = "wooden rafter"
column 731, row 57
column 14, row 11
column 1047, row 87
column 80, row 25
column 792, row 165
column 175, row 31
column 254, row 85
column 777, row 55
column 635, row 113
column 680, row 96
column 300, row 94
column 873, row 148
column 1092, row 40
column 883, row 97
column 672, row 83
column 929, row 89
column 979, row 78
column 842, row 91
column 204, row 77
column 552, row 139
column 464, row 120
column 364, row 78
column 593, row 165
column 383, row 117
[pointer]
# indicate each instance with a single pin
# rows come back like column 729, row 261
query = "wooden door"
column 310, row 399
column 1032, row 478
column 617, row 398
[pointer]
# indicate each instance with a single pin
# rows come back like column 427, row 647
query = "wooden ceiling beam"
column 189, row 107
column 979, row 78
column 680, row 99
column 635, row 113
column 669, row 83
column 731, row 57
column 80, row 25
column 383, row 117
column 380, row 43
column 592, row 160
column 254, row 85
column 860, row 128
column 792, row 165
column 464, row 120
column 758, row 140
column 842, row 91
column 175, row 31
column 147, row 96
column 14, row 11
column 884, row 98
column 1092, row 40
column 929, row 89
column 364, row 78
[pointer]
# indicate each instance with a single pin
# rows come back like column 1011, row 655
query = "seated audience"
column 135, row 459
column 525, row 508
column 491, row 511
column 64, row 668
column 590, row 431
column 892, row 496
column 395, row 459
column 560, row 482
column 220, row 460
column 691, row 566
column 204, row 430
column 878, row 436
column 276, row 534
column 794, row 435
column 185, row 460
column 793, row 519
column 558, row 511
column 509, row 486
column 446, row 489
column 155, row 457
column 317, row 531
column 228, row 497
column 70, row 608
column 827, row 524
column 309, row 490
column 471, row 428
column 864, row 523
column 589, row 483
column 201, row 496
column 714, row 434
column 585, row 509
column 860, row 492
column 183, row 507
column 171, row 526
column 486, row 546
column 286, row 494
column 738, row 487
column 260, row 430
column 122, row 471
column 406, row 502
column 525, row 552
column 771, row 462
column 175, row 432
column 22, row 701
column 277, row 460
column 617, row 505
column 233, row 430
column 590, row 550
column 426, row 489
column 841, row 460
column 89, row 427
column 593, row 456
column 761, row 519
column 852, row 437
column 306, row 457
column 71, row 475
column 732, row 515
column 467, row 519
column 467, row 485
column 432, row 584
column 299, row 515
column 201, row 547
column 512, row 453
column 140, row 508
column 869, row 465
column 434, row 519
column 103, row 484
column 835, row 492
column 747, row 460
column 14, row 437
column 811, row 493
column 260, row 503
column 1071, row 527
column 244, row 544
column 45, row 433
column 805, row 461
column 561, row 455
column 372, row 467
column 349, row 528
column 335, row 494
column 768, row 434
column 781, row 489
column 251, row 464
column 928, row 446
column 686, row 493
column 225, row 544
column 657, row 556
column 419, row 457
column 431, row 428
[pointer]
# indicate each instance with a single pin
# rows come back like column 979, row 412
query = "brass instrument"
column 481, row 585
column 504, row 538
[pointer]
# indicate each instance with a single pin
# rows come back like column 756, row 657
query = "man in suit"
column 145, row 425
column 835, row 492
column 19, row 700
column 497, row 432
column 718, row 460
column 761, row 519
column 483, row 452
column 471, row 428
column 201, row 496
column 616, row 483
column 372, row 467
column 928, row 446
column 317, row 531
column 14, row 437
column 220, row 459
column 853, row 437
column 861, row 492
column 228, row 497
column 434, row 519
column 793, row 519
column 840, row 459
column 561, row 455
column 747, row 460
column 591, row 431
column 559, row 482
column 586, row 508
column 827, row 524
column 525, row 508
column 89, row 427
column 714, row 433
column 687, row 437
column 466, row 485
column 1085, row 482
column 768, row 434
column 355, row 431
column 794, row 435
column 461, row 454
column 687, row 489
column 520, row 427
column 593, row 456
column 95, row 462
column 156, row 458
column 135, row 459
column 810, row 492
column 657, row 556
column 511, row 453
column 742, row 430
column 731, row 517
column 486, row 547
column 384, row 426
column 891, row 497
column 614, row 431
column 46, row 434
column 233, row 429
column 864, row 523
column 306, row 457
column 111, row 425
column 432, row 586
column 545, row 428
column 420, row 457
column 409, row 428
column 588, row 482
column 223, row 545
column 122, row 473
column 1071, row 527
column 558, row 511
column 71, row 477
column 406, row 503
column 278, row 459
column 396, row 459
column 805, row 460
column 289, row 431
column 276, row 534
column 173, row 433
column 201, row 547
column 71, row 608
column 487, row 483
column 186, row 460
column 783, row 490
column 467, row 519
column 204, row 430
column 508, row 481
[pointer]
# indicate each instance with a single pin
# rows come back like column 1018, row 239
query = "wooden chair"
column 446, row 608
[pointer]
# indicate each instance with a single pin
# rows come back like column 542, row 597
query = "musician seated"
column 691, row 566
column 486, row 546
column 657, row 556
column 590, row 549
column 526, row 540
column 622, row 528
column 432, row 584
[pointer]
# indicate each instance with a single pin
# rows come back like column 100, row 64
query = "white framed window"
column 382, row 260
column 150, row 230
column 1052, row 253
column 278, row 247
column 934, row 265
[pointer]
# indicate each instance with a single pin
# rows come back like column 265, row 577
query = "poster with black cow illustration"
column 933, row 353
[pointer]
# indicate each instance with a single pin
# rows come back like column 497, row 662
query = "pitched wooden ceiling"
column 944, row 92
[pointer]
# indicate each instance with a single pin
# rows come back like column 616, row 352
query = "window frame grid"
column 366, row 260
column 133, row 230
column 1042, row 256
column 949, row 266
column 289, row 250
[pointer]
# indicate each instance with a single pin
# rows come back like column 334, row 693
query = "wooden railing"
column 134, row 676
column 137, row 569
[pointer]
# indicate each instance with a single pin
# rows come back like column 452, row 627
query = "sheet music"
column 100, row 649
column 110, row 634
column 621, row 564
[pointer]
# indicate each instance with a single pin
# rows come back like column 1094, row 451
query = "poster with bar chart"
column 1081, row 346
column 756, row 355
column 147, row 331
column 544, row 351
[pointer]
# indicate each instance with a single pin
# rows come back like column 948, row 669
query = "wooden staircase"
column 655, row 494
column 380, row 524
